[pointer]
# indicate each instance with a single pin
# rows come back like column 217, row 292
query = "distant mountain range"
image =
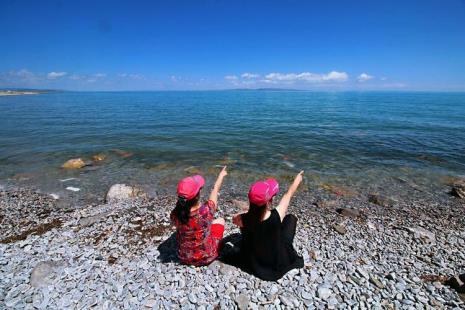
column 266, row 89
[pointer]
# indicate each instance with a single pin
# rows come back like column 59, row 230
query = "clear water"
column 356, row 140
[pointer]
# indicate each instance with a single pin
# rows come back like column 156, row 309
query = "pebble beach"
column 363, row 251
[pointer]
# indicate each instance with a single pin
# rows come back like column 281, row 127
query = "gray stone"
column 242, row 301
column 150, row 303
column 323, row 292
column 192, row 298
column 376, row 282
column 306, row 295
column 363, row 272
column 340, row 228
column 285, row 300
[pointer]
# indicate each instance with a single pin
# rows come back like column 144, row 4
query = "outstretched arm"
column 284, row 203
column 216, row 188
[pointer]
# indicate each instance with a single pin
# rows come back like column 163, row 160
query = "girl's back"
column 196, row 243
column 266, row 249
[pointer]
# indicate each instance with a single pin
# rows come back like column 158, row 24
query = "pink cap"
column 189, row 187
column 262, row 191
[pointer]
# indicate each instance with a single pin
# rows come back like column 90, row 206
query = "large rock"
column 44, row 273
column 75, row 163
column 122, row 192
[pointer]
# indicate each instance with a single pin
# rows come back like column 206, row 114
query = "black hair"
column 254, row 215
column 183, row 208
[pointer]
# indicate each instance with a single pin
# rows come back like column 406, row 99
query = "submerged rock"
column 338, row 190
column 74, row 163
column 123, row 154
column 123, row 192
column 380, row 200
column 22, row 176
column 193, row 170
column 99, row 157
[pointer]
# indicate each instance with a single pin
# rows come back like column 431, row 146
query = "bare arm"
column 216, row 188
column 284, row 203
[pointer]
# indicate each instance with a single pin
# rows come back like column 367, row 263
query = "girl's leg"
column 217, row 231
column 288, row 228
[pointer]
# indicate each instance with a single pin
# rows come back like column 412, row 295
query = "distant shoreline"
column 18, row 93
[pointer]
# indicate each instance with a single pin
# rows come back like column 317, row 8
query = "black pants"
column 288, row 228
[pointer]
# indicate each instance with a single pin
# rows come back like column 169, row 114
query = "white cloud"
column 55, row 75
column 334, row 76
column 231, row 77
column 364, row 77
column 100, row 75
column 249, row 76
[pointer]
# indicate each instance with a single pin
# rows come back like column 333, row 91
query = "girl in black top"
column 267, row 234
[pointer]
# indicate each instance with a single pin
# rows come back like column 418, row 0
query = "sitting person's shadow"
column 229, row 250
column 167, row 249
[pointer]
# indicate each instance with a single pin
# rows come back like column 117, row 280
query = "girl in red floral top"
column 197, row 233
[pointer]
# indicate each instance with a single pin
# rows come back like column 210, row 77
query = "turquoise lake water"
column 350, row 139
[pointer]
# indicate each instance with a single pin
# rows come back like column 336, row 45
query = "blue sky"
column 155, row 45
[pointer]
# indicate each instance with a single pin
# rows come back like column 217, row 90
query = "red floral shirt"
column 196, row 245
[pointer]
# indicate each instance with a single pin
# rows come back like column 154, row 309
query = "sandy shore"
column 360, row 252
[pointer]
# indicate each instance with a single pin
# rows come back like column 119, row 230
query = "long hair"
column 183, row 208
column 254, row 215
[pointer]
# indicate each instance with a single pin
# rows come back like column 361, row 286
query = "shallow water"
column 355, row 140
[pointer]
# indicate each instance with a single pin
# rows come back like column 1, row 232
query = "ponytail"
column 254, row 215
column 183, row 208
